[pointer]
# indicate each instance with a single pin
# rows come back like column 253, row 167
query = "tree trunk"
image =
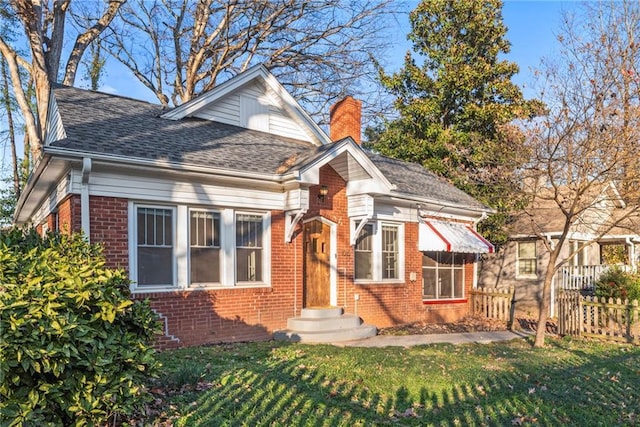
column 11, row 128
column 541, row 328
column 85, row 39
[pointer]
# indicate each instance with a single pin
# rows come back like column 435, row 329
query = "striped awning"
column 451, row 237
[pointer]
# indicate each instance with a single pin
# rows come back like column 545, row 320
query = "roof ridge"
column 113, row 95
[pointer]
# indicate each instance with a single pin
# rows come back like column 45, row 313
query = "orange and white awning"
column 451, row 237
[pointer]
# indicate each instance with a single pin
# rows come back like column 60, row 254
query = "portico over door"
column 317, row 269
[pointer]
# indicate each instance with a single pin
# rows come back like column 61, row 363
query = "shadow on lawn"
column 285, row 391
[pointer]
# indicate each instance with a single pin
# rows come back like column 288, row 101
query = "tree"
column 455, row 111
column 584, row 150
column 44, row 27
column 319, row 50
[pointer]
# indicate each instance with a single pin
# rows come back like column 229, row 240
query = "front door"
column 317, row 281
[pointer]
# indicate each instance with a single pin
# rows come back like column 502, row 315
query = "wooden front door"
column 317, row 283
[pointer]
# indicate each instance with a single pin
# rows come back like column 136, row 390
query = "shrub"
column 617, row 283
column 75, row 348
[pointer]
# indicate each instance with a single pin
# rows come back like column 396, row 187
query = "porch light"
column 322, row 192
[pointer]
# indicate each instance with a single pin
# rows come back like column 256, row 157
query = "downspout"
column 632, row 253
column 85, row 221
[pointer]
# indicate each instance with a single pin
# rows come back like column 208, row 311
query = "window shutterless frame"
column 154, row 244
column 205, row 247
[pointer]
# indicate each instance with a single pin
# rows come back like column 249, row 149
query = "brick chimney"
column 344, row 119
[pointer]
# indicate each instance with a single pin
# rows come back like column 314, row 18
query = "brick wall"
column 236, row 314
column 109, row 217
column 197, row 317
column 381, row 304
column 345, row 119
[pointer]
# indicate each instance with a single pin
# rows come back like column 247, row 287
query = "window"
column 580, row 256
column 389, row 252
column 155, row 260
column 249, row 248
column 378, row 252
column 204, row 248
column 527, row 259
column 442, row 275
column 178, row 247
column 364, row 253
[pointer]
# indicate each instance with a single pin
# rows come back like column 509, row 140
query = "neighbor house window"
column 378, row 252
column 249, row 248
column 442, row 275
column 579, row 257
column 204, row 247
column 155, row 248
column 527, row 259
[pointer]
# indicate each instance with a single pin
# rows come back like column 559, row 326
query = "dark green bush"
column 74, row 348
column 617, row 283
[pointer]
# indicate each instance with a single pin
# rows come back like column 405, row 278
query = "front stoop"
column 325, row 325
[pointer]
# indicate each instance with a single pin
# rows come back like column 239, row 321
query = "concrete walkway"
column 411, row 340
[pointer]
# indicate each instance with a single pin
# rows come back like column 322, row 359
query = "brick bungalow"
column 234, row 212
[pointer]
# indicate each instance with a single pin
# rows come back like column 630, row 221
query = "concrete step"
column 360, row 332
column 318, row 324
column 321, row 312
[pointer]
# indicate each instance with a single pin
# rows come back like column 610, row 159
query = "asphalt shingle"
column 97, row 122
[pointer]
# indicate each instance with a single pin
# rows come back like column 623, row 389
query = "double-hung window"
column 378, row 252
column 364, row 253
column 527, row 259
column 204, row 247
column 180, row 247
column 249, row 250
column 443, row 275
column 155, row 246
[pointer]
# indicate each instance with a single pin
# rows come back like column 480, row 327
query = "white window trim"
column 526, row 276
column 181, row 249
column 266, row 249
column 133, row 248
column 222, row 250
column 464, row 280
column 376, row 263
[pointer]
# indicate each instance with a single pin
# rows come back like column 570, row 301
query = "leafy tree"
column 456, row 108
column 75, row 347
column 584, row 149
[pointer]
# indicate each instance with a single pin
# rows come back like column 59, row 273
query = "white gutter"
column 178, row 167
column 33, row 178
column 85, row 219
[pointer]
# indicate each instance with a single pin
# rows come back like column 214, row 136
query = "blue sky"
column 532, row 27
column 531, row 24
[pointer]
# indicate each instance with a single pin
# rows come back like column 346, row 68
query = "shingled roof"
column 102, row 123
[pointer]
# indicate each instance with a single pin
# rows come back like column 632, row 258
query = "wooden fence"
column 610, row 319
column 493, row 303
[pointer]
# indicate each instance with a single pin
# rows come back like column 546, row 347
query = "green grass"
column 570, row 382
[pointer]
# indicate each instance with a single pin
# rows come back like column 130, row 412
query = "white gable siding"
column 250, row 107
column 55, row 130
column 254, row 113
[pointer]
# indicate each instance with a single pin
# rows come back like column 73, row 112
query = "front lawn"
column 571, row 382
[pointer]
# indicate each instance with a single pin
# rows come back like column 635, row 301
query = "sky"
column 532, row 26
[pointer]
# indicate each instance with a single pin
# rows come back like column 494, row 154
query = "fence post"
column 635, row 322
column 580, row 314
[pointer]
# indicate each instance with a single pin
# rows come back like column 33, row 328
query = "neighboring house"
column 597, row 239
column 234, row 211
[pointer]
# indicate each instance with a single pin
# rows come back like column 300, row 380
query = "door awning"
column 451, row 237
